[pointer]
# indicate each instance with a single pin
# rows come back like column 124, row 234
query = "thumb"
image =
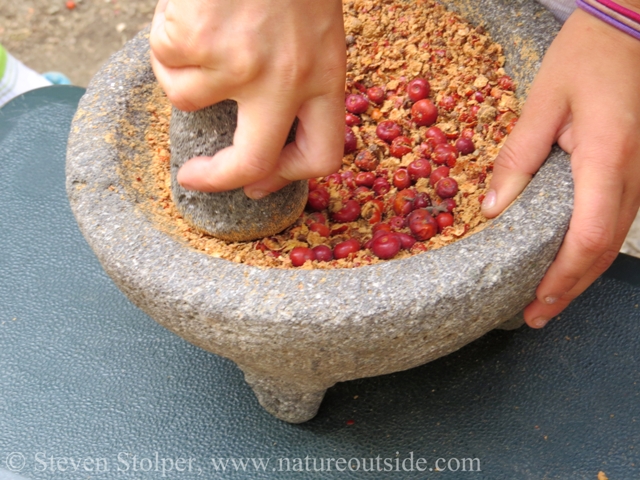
column 524, row 151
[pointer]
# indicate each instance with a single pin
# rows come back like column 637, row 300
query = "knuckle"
column 255, row 166
column 605, row 260
column 595, row 239
column 507, row 158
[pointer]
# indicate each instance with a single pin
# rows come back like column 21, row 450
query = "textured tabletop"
column 90, row 387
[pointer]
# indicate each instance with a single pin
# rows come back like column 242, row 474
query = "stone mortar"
column 295, row 333
column 230, row 215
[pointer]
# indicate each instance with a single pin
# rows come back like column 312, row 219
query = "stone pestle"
column 230, row 215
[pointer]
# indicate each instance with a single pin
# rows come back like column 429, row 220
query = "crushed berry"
column 366, row 160
column 422, row 225
column 445, row 154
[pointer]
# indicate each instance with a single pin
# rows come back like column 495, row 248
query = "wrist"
column 617, row 15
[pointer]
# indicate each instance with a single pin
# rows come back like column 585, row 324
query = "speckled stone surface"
column 230, row 215
column 295, row 333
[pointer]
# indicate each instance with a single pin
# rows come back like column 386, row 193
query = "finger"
column 191, row 88
column 318, row 147
column 538, row 313
column 593, row 226
column 259, row 138
column 161, row 6
column 526, row 148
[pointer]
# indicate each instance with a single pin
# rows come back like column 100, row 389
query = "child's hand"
column 586, row 97
column 278, row 59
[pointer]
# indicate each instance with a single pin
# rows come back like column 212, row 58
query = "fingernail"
column 539, row 322
column 186, row 185
column 550, row 300
column 489, row 200
column 256, row 194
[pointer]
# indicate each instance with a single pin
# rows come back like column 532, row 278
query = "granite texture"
column 230, row 215
column 295, row 333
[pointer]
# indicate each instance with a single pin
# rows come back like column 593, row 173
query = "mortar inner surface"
column 475, row 100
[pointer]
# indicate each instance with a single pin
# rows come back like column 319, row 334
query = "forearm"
column 561, row 9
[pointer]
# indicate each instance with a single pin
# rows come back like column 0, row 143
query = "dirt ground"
column 46, row 35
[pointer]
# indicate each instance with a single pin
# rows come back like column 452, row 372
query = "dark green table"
column 90, row 387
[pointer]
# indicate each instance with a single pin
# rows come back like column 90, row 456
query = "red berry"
column 422, row 225
column 418, row 89
column 418, row 248
column 425, row 149
column 70, row 5
column 365, row 179
column 299, row 255
column 400, row 146
column 444, row 220
column 316, row 217
column 381, row 186
column 333, row 179
column 351, row 120
column 323, row 253
column 401, row 179
column 436, row 136
column 320, row 229
column 406, row 240
column 385, row 227
column 339, row 230
column 349, row 178
column 318, row 199
column 422, row 200
column 447, row 187
column 366, row 160
column 376, row 95
column 424, row 113
column 386, row 246
column 350, row 140
column 344, row 249
column 445, row 154
column 403, row 202
column 388, row 130
column 506, row 83
column 467, row 133
column 349, row 212
column 356, row 103
column 313, row 184
column 398, row 223
column 438, row 174
column 362, row 194
column 420, row 168
column 449, row 204
column 465, row 146
column 478, row 97
column 447, row 102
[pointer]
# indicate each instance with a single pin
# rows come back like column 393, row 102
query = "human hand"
column 277, row 59
column 586, row 97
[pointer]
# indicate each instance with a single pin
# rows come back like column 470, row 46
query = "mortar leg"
column 286, row 401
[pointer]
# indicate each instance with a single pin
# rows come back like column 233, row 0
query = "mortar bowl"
column 295, row 333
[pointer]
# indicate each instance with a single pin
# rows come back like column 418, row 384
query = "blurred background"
column 76, row 37
column 73, row 37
